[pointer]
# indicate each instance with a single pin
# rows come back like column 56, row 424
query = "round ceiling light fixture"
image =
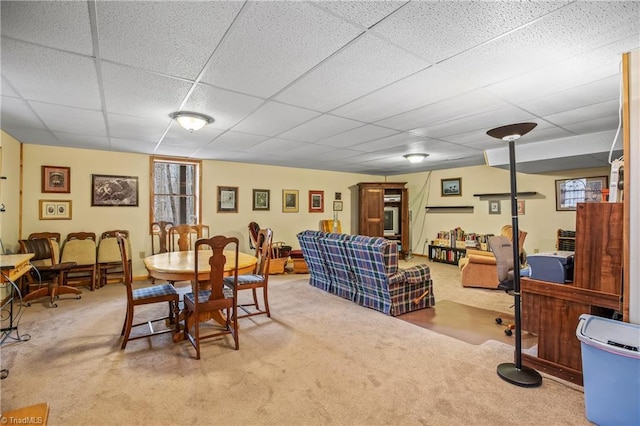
column 415, row 157
column 191, row 121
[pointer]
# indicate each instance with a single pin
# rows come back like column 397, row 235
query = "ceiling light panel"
column 270, row 34
column 61, row 25
column 351, row 73
column 274, row 118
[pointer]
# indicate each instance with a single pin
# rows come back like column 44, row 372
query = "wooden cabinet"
column 377, row 199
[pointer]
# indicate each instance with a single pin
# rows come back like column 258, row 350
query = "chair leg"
column 266, row 301
column 255, row 298
column 128, row 325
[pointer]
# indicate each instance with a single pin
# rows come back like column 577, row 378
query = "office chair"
column 503, row 252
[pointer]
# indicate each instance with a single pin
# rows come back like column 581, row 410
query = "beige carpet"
column 319, row 360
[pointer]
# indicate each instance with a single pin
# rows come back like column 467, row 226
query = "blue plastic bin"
column 610, row 369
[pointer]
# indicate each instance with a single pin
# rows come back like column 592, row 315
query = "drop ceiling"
column 346, row 86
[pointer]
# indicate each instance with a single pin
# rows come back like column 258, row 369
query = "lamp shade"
column 511, row 132
column 191, row 121
column 416, row 157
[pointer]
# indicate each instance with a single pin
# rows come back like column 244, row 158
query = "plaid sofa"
column 365, row 270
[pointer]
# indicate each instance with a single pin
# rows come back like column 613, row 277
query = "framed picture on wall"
column 54, row 209
column 316, row 201
column 227, row 199
column 450, row 187
column 494, row 206
column 56, row 179
column 290, row 201
column 261, row 198
column 570, row 192
column 114, row 191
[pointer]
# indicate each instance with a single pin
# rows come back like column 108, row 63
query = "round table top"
column 181, row 264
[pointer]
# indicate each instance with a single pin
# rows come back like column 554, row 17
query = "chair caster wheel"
column 78, row 297
column 508, row 332
column 498, row 320
column 27, row 304
column 53, row 305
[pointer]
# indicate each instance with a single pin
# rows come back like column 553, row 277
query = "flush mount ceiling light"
column 191, row 121
column 416, row 157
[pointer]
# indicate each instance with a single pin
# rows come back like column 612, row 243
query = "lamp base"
column 524, row 376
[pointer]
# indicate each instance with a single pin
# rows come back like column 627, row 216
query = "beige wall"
column 541, row 220
column 10, row 191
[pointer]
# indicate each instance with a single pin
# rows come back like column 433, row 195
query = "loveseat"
column 365, row 270
column 478, row 269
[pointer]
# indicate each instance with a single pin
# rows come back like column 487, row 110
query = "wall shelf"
column 449, row 209
column 505, row 195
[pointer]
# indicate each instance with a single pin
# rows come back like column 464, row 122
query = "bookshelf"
column 566, row 240
column 448, row 255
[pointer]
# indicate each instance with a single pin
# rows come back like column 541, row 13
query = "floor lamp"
column 515, row 373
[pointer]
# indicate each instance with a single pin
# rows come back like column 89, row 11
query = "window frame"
column 176, row 160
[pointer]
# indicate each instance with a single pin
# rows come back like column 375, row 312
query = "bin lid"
column 610, row 335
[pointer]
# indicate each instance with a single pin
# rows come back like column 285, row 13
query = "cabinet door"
column 372, row 212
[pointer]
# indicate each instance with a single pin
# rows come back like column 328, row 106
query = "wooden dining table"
column 180, row 266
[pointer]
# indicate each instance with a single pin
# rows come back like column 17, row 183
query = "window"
column 175, row 190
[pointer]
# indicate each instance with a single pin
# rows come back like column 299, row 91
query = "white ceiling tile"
column 235, row 141
column 59, row 24
column 227, row 108
column 31, row 135
column 422, row 88
column 132, row 145
column 134, row 92
column 353, row 137
column 590, row 112
column 320, row 127
column 386, row 143
column 274, row 146
column 273, row 118
column 179, row 136
column 31, row 70
column 595, row 125
column 437, row 30
column 269, row 35
column 7, row 90
column 61, row 118
column 144, row 129
column 351, row 73
column 75, row 140
column 363, row 13
column 175, row 39
column 19, row 114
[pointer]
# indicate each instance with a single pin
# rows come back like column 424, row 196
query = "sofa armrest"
column 485, row 260
column 417, row 274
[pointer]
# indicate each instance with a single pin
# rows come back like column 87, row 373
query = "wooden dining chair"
column 81, row 248
column 109, row 261
column 160, row 230
column 181, row 237
column 212, row 295
column 163, row 293
column 259, row 279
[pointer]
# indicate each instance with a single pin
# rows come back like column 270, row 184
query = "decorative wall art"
column 114, row 191
column 227, row 199
column 570, row 192
column 261, row 199
column 494, row 206
column 520, row 207
column 55, row 209
column 337, row 206
column 56, row 179
column 290, row 201
column 316, row 201
column 450, row 187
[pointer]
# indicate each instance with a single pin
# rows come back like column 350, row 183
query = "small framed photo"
column 56, row 179
column 55, row 209
column 290, row 201
column 110, row 191
column 316, row 201
column 520, row 207
column 227, row 199
column 337, row 206
column 451, row 187
column 494, row 206
column 261, row 198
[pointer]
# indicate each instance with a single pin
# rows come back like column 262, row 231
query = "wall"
column 10, row 192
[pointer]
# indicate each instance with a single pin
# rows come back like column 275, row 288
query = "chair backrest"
column 55, row 241
column 108, row 250
column 202, row 231
column 507, row 231
column 42, row 250
column 160, row 229
column 126, row 279
column 181, row 237
column 263, row 252
column 80, row 247
column 327, row 226
column 503, row 251
column 217, row 260
column 254, row 228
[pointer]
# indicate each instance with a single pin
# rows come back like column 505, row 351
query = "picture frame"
column 261, row 199
column 337, row 206
column 494, row 206
column 451, row 187
column 570, row 192
column 227, row 199
column 316, row 201
column 54, row 209
column 290, row 201
column 114, row 191
column 56, row 179
column 520, row 207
